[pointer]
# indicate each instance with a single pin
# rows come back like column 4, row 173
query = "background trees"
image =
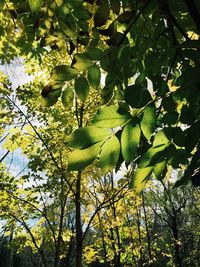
column 115, row 87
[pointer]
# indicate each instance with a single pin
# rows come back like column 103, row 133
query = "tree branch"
column 44, row 143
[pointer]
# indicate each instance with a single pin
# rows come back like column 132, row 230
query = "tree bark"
column 147, row 229
column 118, row 253
column 177, row 257
column 79, row 234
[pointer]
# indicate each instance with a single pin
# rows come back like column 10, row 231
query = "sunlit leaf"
column 148, row 122
column 67, row 97
column 51, row 98
column 110, row 117
column 162, row 137
column 63, row 73
column 109, row 154
column 140, row 178
column 79, row 159
column 152, row 155
column 130, row 140
column 82, row 62
column 87, row 136
column 160, row 169
column 35, row 5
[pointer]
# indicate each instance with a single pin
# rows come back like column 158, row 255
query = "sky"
column 16, row 72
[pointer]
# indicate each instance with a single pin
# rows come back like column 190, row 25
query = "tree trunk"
column 79, row 236
column 118, row 253
column 10, row 258
column 177, row 257
column 147, row 229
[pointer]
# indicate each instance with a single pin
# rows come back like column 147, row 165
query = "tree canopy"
column 115, row 85
column 136, row 57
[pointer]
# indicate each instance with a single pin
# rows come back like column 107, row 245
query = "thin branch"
column 24, row 224
column 12, row 17
column 194, row 13
column 103, row 205
column 44, row 143
column 36, row 208
column 3, row 138
column 20, row 172
column 132, row 22
column 5, row 155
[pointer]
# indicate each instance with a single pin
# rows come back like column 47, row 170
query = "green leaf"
column 109, row 154
column 115, row 5
column 187, row 115
column 191, row 54
column 102, row 14
column 67, row 97
column 170, row 118
column 1, row 4
column 107, row 93
column 194, row 164
column 81, row 13
column 141, row 80
column 79, row 159
column 140, row 178
column 162, row 137
column 153, row 155
column 94, row 53
column 192, row 136
column 68, row 27
column 82, row 62
column 119, row 163
column 110, row 117
column 179, row 158
column 62, row 73
column 169, row 104
column 190, row 44
column 81, row 87
column 35, row 5
column 109, row 31
column 94, row 76
column 46, row 90
column 137, row 96
column 87, row 136
column 178, row 136
column 160, row 169
column 126, row 17
column 148, row 121
column 51, row 98
column 130, row 140
column 73, row 4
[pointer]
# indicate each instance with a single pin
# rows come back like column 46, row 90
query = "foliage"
column 115, row 86
column 147, row 52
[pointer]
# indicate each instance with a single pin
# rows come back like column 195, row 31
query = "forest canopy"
column 115, row 91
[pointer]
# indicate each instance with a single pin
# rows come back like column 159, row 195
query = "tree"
column 172, row 209
column 122, row 71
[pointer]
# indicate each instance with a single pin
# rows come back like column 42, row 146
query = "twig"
column 132, row 22
column 44, row 143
